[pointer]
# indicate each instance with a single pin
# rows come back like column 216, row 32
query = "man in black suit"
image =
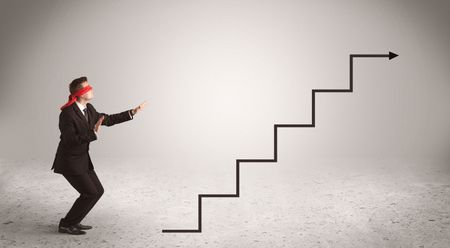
column 79, row 123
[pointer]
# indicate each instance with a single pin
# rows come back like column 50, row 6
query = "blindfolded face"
column 88, row 95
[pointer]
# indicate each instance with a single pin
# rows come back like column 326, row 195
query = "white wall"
column 218, row 74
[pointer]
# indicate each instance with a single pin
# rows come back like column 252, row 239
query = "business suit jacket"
column 72, row 155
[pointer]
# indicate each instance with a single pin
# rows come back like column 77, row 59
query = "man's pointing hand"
column 139, row 108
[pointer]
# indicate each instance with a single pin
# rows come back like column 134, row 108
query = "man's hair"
column 75, row 85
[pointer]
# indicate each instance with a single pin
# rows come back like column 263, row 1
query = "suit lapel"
column 80, row 114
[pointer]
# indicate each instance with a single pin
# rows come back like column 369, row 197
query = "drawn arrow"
column 390, row 55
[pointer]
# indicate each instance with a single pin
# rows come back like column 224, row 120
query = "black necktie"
column 86, row 114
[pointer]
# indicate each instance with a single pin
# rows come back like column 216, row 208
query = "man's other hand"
column 99, row 122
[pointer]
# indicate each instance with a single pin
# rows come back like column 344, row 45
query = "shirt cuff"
column 129, row 112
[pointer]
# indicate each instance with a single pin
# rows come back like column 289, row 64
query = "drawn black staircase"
column 390, row 55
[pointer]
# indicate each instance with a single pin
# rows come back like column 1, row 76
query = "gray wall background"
column 218, row 74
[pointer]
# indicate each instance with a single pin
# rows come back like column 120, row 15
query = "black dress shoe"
column 82, row 227
column 70, row 230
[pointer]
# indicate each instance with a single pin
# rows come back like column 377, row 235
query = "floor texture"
column 320, row 203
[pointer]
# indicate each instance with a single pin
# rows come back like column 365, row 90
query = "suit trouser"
column 90, row 190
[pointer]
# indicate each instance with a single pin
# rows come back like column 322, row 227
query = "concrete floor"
column 322, row 203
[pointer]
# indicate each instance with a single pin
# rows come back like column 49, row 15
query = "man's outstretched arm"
column 112, row 119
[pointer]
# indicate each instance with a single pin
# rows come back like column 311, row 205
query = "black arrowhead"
column 392, row 55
